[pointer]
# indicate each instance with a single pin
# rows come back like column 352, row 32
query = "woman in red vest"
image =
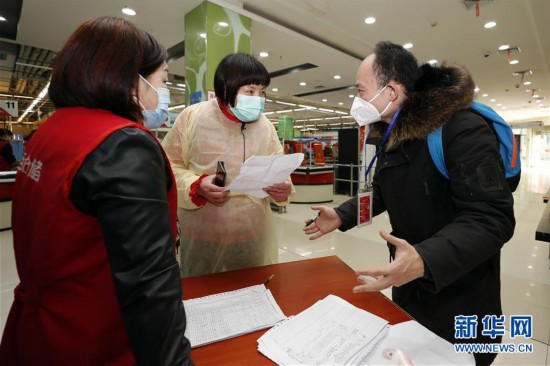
column 94, row 213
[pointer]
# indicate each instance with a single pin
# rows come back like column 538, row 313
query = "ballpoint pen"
column 313, row 220
column 269, row 279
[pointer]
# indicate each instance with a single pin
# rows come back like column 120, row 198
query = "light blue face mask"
column 248, row 108
column 155, row 118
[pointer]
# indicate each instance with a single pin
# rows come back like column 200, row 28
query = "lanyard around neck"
column 384, row 140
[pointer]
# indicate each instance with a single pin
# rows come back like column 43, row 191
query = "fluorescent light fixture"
column 268, row 113
column 408, row 45
column 275, row 89
column 285, row 103
column 536, row 96
column 332, row 118
column 299, row 109
column 485, row 95
column 264, row 54
column 493, row 100
column 514, row 62
column 315, row 119
column 370, row 20
column 324, row 100
column 15, row 96
column 503, row 47
column 168, row 83
column 285, row 111
column 2, row 19
column 499, row 105
column 36, row 100
column 340, row 103
column 432, row 62
column 489, row 25
column 351, row 96
column 202, row 35
column 303, row 83
column 476, row 89
column 307, row 106
column 340, row 112
column 326, row 110
column 128, row 11
column 347, row 117
column 180, row 84
column 179, row 106
column 335, row 124
column 527, row 83
column 223, row 24
column 337, row 77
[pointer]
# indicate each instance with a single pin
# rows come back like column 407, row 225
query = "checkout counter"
column 314, row 180
column 7, row 180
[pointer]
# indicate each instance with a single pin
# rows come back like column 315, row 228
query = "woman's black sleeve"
column 124, row 183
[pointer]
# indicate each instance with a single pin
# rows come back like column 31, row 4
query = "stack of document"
column 332, row 331
column 230, row 314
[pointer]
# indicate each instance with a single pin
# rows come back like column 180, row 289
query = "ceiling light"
column 539, row 101
column 493, row 100
column 285, row 103
column 202, row 35
column 476, row 89
column 275, row 89
column 337, row 77
column 503, row 107
column 408, row 45
column 181, row 85
column 370, row 20
column 527, row 83
column 513, row 62
column 2, row 19
column 223, row 24
column 324, row 100
column 499, row 104
column 485, row 95
column 503, row 47
column 264, row 54
column 128, row 11
column 351, row 96
column 490, row 24
column 536, row 96
column 303, row 83
column 340, row 103
column 432, row 62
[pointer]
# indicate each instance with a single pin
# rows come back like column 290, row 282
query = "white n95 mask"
column 364, row 112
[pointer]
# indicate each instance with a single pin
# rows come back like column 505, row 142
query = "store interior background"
column 332, row 37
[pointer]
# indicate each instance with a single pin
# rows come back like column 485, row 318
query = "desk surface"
column 295, row 286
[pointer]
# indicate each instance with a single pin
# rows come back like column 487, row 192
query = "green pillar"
column 211, row 33
column 285, row 128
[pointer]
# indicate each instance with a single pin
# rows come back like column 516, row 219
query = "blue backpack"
column 506, row 141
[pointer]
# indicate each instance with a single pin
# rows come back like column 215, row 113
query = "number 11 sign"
column 9, row 108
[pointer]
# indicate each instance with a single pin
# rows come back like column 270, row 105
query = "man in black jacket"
column 446, row 234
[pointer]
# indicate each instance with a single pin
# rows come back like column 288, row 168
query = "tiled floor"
column 525, row 263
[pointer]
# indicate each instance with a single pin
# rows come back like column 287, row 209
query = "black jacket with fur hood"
column 458, row 226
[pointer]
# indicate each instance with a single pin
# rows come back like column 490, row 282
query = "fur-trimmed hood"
column 439, row 92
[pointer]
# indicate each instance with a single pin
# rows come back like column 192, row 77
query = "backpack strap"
column 435, row 145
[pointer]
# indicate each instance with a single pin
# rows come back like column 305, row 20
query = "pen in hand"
column 313, row 220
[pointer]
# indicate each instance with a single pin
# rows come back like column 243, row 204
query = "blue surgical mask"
column 155, row 118
column 248, row 108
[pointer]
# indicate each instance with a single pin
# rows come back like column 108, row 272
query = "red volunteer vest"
column 65, row 310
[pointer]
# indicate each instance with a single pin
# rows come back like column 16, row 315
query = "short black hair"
column 100, row 64
column 236, row 70
column 393, row 62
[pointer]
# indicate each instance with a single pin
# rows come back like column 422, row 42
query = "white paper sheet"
column 259, row 172
column 230, row 314
column 331, row 332
column 421, row 346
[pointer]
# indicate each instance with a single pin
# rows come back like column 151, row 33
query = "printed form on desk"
column 230, row 314
column 334, row 332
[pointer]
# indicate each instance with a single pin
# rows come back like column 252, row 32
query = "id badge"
column 364, row 208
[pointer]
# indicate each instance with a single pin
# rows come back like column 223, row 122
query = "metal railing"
column 351, row 180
